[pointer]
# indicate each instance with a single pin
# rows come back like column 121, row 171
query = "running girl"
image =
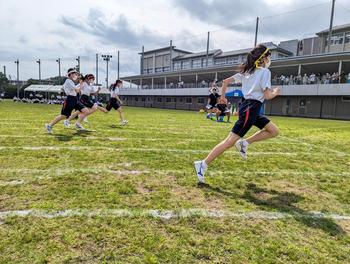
column 115, row 101
column 86, row 90
column 70, row 103
column 256, row 87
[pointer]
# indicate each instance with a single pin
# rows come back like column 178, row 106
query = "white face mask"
column 268, row 63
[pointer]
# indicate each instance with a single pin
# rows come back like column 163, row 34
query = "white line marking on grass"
column 56, row 148
column 192, row 140
column 12, row 183
column 326, row 149
column 167, row 214
column 53, row 172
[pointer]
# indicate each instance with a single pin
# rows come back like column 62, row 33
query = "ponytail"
column 254, row 58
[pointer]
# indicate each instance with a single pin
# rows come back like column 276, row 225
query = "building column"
column 130, row 84
column 152, row 83
column 299, row 69
column 141, row 83
column 340, row 68
column 164, row 82
column 196, row 79
column 154, row 63
column 216, row 76
column 343, row 41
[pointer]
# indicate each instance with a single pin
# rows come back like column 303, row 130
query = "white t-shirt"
column 69, row 87
column 115, row 92
column 254, row 85
column 87, row 89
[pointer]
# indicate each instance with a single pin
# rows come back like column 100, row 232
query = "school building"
column 179, row 79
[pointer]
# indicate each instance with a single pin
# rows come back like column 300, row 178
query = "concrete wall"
column 332, row 107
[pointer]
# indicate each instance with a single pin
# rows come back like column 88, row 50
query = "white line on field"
column 12, row 183
column 142, row 139
column 167, row 214
column 36, row 148
column 326, row 149
column 59, row 172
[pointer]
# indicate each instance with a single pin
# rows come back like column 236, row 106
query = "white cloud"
column 51, row 29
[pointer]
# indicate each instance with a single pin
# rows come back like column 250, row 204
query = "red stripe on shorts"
column 246, row 117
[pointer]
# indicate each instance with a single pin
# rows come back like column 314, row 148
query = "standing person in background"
column 70, row 103
column 115, row 101
column 212, row 100
column 256, row 87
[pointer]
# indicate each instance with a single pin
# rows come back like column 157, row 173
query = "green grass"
column 148, row 165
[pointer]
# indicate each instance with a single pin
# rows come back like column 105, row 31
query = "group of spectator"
column 38, row 100
column 311, row 79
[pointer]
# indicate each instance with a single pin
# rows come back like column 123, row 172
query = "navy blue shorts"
column 249, row 115
column 85, row 100
column 113, row 103
column 70, row 104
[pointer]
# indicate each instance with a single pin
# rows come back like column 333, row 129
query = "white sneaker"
column 200, row 170
column 48, row 128
column 66, row 123
column 85, row 120
column 79, row 126
column 124, row 122
column 242, row 146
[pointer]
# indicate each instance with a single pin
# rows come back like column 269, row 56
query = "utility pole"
column 59, row 70
column 118, row 58
column 256, row 31
column 5, row 70
column 17, row 62
column 96, row 68
column 207, row 49
column 330, row 27
column 171, row 55
column 107, row 58
column 39, row 62
column 142, row 59
column 78, row 66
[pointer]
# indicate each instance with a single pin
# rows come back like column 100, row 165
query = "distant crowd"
column 311, row 79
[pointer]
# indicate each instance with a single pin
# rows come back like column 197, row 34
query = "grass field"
column 92, row 195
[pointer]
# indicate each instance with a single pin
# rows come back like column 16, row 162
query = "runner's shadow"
column 115, row 126
column 63, row 137
column 82, row 133
column 283, row 202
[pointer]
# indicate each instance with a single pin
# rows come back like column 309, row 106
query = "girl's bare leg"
column 222, row 147
column 57, row 119
column 269, row 131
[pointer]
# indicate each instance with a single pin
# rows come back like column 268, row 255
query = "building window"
column 189, row 100
column 201, row 100
column 336, row 39
column 136, row 99
column 177, row 66
column 185, row 65
column 221, row 61
column 197, row 63
column 347, row 37
column 345, row 99
column 143, row 99
column 168, row 100
column 232, row 60
column 159, row 99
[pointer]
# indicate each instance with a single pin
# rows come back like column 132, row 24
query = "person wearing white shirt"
column 256, row 87
column 86, row 90
column 70, row 103
column 115, row 102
